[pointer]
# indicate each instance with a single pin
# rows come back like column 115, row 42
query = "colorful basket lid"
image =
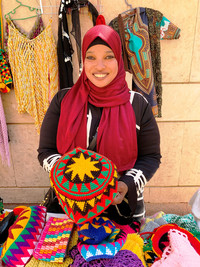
column 85, row 183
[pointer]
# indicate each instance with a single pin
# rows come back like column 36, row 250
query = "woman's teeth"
column 100, row 75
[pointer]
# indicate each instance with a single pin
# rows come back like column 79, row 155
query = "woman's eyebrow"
column 90, row 52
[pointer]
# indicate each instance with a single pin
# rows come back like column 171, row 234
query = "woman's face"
column 100, row 65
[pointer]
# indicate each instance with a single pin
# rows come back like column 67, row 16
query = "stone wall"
column 179, row 174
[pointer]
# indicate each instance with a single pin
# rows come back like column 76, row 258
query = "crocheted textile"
column 95, row 231
column 152, row 218
column 68, row 260
column 160, row 238
column 2, row 216
column 135, row 244
column 23, row 235
column 124, row 258
column 34, row 68
column 85, row 183
column 149, row 255
column 150, row 226
column 179, row 253
column 187, row 222
column 5, row 76
column 37, row 28
column 108, row 248
column 54, row 240
column 4, row 146
column 155, row 245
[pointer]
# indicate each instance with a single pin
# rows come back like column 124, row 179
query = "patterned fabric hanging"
column 141, row 30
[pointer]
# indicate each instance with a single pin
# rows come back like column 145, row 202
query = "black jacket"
column 148, row 141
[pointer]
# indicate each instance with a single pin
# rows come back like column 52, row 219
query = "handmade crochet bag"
column 108, row 248
column 54, row 240
column 95, row 231
column 23, row 236
column 179, row 253
column 85, row 183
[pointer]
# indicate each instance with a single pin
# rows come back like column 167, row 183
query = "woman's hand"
column 122, row 189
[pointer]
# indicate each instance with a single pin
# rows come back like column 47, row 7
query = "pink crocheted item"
column 126, row 228
column 4, row 146
column 179, row 253
column 54, row 240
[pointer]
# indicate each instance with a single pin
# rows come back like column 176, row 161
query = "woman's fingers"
column 122, row 189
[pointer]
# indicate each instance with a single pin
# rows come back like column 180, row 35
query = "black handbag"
column 51, row 202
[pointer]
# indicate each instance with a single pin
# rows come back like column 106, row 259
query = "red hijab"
column 116, row 138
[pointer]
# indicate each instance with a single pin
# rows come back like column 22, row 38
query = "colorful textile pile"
column 85, row 183
column 53, row 243
column 23, row 236
column 159, row 240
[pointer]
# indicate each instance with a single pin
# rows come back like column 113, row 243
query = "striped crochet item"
column 23, row 236
column 54, row 240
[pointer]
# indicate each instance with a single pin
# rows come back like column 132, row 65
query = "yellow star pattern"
column 81, row 167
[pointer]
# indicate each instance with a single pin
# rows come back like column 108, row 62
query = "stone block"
column 171, row 194
column 180, row 102
column 190, row 166
column 24, row 143
column 171, row 150
column 195, row 68
column 11, row 112
column 23, row 195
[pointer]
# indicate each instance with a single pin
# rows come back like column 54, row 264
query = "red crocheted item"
column 160, row 238
column 85, row 183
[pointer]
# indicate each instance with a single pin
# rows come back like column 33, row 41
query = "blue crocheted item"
column 96, row 231
column 108, row 248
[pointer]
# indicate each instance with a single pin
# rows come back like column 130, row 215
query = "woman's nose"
column 100, row 64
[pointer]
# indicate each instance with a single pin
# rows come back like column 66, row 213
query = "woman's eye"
column 90, row 57
column 110, row 57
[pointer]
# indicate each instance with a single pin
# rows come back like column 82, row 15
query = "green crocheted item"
column 187, row 222
column 1, row 206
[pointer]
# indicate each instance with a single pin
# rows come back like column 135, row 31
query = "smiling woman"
column 101, row 105
column 100, row 64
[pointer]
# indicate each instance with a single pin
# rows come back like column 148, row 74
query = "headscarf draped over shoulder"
column 116, row 138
